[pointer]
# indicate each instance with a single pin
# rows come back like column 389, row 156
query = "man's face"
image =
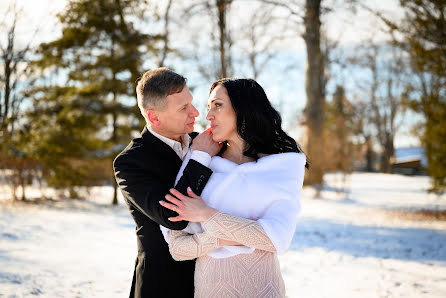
column 178, row 117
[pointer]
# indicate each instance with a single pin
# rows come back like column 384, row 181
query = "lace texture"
column 184, row 246
column 244, row 231
column 244, row 275
column 255, row 275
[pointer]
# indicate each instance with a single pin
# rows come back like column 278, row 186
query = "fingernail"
column 189, row 189
column 161, row 202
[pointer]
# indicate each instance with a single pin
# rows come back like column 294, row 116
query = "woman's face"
column 221, row 115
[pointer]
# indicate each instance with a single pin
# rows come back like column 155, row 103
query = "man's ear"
column 152, row 115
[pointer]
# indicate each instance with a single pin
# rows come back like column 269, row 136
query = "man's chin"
column 189, row 128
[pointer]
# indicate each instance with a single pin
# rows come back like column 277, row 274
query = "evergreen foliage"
column 84, row 109
column 339, row 129
column 424, row 32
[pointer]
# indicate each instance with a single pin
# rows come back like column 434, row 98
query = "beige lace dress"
column 244, row 275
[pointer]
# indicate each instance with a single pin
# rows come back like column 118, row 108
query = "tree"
column 14, row 62
column 314, row 87
column 315, row 80
column 422, row 35
column 384, row 92
column 17, row 167
column 87, row 95
column 218, row 37
column 424, row 31
column 339, row 128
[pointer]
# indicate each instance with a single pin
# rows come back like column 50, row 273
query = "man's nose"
column 194, row 112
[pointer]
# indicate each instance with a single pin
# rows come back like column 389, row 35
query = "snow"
column 373, row 239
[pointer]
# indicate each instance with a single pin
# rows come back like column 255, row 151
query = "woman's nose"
column 209, row 116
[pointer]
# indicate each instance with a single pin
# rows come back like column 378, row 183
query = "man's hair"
column 154, row 87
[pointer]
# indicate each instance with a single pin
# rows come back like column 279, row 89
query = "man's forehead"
column 180, row 98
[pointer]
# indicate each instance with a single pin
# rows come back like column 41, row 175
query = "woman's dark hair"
column 258, row 123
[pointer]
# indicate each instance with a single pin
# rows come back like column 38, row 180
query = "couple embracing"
column 212, row 210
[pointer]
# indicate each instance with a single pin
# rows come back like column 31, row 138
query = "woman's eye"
column 217, row 104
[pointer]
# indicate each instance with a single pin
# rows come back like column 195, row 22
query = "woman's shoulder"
column 283, row 159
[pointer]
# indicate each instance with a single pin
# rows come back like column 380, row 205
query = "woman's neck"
column 234, row 151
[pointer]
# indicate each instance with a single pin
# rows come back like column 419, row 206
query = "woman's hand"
column 190, row 208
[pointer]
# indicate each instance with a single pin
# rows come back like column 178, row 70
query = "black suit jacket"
column 145, row 171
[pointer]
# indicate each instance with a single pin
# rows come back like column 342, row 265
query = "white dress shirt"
column 182, row 148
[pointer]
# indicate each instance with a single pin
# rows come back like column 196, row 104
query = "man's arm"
column 203, row 149
column 143, row 190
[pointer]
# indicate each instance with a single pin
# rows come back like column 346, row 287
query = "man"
column 146, row 170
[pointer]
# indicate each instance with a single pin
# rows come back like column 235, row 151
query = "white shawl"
column 268, row 190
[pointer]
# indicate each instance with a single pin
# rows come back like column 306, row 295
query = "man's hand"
column 191, row 208
column 204, row 142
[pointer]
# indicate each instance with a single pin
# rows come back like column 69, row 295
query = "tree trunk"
column 387, row 154
column 369, row 154
column 314, row 86
column 165, row 49
column 222, row 7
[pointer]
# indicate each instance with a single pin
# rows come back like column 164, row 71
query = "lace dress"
column 244, row 275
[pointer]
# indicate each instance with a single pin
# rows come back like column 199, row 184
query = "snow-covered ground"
column 377, row 238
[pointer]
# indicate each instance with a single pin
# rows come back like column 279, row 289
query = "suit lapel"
column 159, row 146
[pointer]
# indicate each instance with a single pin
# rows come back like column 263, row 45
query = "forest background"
column 353, row 80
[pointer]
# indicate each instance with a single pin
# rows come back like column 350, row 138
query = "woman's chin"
column 217, row 139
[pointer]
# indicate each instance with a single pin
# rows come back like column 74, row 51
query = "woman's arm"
column 273, row 232
column 244, row 231
column 218, row 224
column 184, row 246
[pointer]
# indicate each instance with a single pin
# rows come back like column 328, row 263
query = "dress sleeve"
column 244, row 231
column 184, row 246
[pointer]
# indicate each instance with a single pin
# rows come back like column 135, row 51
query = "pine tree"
column 424, row 39
column 85, row 108
column 338, row 132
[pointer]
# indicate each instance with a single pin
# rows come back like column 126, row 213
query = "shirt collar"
column 179, row 148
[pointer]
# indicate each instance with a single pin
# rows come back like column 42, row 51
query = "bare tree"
column 14, row 74
column 13, row 70
column 165, row 37
column 384, row 91
column 259, row 35
column 219, row 38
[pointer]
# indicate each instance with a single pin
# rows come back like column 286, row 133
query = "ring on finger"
column 174, row 208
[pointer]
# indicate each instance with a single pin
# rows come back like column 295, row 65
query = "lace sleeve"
column 184, row 246
column 244, row 231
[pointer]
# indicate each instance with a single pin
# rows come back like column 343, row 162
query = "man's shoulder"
column 133, row 149
column 137, row 148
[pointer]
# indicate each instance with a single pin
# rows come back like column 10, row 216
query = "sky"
column 287, row 95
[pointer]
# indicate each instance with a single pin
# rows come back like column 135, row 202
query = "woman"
column 249, row 207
